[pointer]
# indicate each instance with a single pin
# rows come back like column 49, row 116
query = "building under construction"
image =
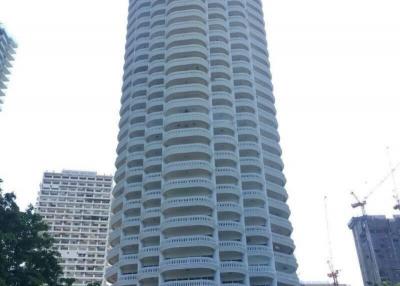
column 377, row 242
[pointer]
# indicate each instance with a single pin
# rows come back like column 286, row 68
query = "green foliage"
column 94, row 284
column 26, row 254
column 67, row 281
column 387, row 283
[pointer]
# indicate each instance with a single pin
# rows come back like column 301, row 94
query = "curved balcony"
column 127, row 279
column 176, row 64
column 133, row 172
column 277, row 190
column 150, row 213
column 131, row 222
column 273, row 160
column 200, row 183
column 280, row 225
column 229, row 207
column 149, row 251
column 257, row 231
column 129, row 240
column 114, row 236
column 283, row 241
column 285, row 261
column 152, row 162
column 150, row 231
column 275, row 174
column 151, row 103
column 195, row 201
column 250, row 146
column 175, row 134
column 154, row 116
column 183, row 103
column 252, row 178
column 151, row 195
column 233, row 266
column 255, row 195
column 128, row 259
column 188, row 221
column 132, row 204
column 180, row 118
column 117, row 202
column 227, row 172
column 256, row 212
column 151, row 178
column 192, row 165
column 153, row 131
column 115, row 218
column 261, row 271
column 259, row 250
column 148, row 272
column 135, row 156
column 186, row 148
column 226, row 155
column 188, row 263
column 112, row 254
column 231, row 226
column 194, row 90
column 133, row 188
column 152, row 146
column 232, row 246
column 195, row 282
column 228, row 190
column 278, row 207
column 111, row 274
column 188, row 241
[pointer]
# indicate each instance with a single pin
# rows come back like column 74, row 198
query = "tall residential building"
column 199, row 197
column 75, row 205
column 7, row 49
column 319, row 284
column 378, row 247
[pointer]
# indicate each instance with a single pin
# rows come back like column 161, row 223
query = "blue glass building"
column 377, row 241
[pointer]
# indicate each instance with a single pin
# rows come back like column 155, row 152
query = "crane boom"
column 333, row 273
column 396, row 195
column 362, row 203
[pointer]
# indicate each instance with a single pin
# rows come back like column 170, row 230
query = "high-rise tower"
column 75, row 205
column 199, row 197
column 7, row 49
column 377, row 240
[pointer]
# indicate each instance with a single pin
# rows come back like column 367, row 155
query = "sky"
column 335, row 67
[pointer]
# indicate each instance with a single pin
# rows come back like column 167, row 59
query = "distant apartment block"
column 75, row 205
column 7, row 49
column 377, row 241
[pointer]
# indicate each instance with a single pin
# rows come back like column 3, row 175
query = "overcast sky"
column 335, row 67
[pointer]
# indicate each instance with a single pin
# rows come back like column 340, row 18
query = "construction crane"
column 361, row 203
column 333, row 273
column 396, row 195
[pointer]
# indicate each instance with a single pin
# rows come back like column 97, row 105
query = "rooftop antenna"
column 395, row 190
column 333, row 273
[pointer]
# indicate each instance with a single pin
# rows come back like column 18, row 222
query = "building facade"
column 319, row 284
column 76, row 205
column 377, row 242
column 7, row 50
column 199, row 197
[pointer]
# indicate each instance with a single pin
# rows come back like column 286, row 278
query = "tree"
column 67, row 281
column 26, row 254
column 94, row 284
